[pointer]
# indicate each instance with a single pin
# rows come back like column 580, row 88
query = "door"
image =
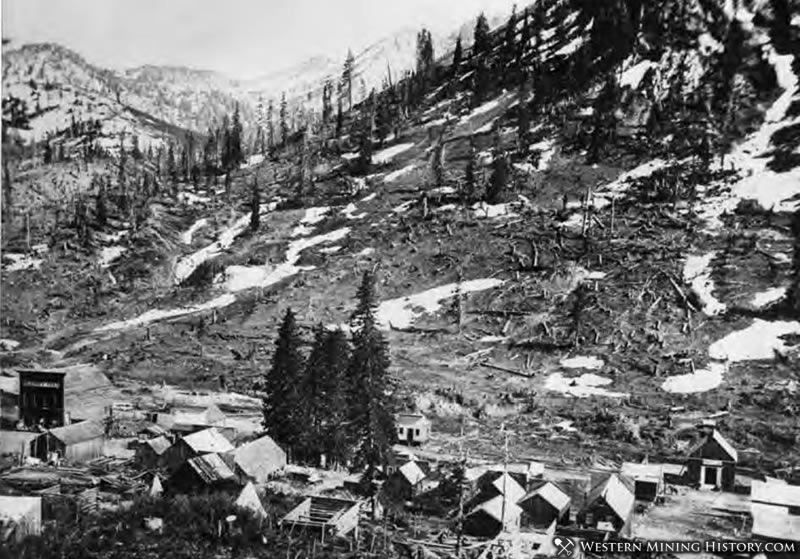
column 711, row 476
column 409, row 436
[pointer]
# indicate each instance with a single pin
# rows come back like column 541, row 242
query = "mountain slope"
column 622, row 284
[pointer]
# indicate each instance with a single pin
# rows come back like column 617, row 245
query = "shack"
column 609, row 506
column 20, row 517
column 648, row 480
column 17, row 443
column 712, row 463
column 76, row 443
column 324, row 516
column 413, row 428
column 208, row 441
column 204, row 474
column 545, row 505
column 406, row 481
column 258, row 460
column 492, row 517
column 152, row 453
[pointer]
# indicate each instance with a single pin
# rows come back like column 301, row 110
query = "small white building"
column 412, row 428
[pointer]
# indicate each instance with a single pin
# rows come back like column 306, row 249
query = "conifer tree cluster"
column 337, row 401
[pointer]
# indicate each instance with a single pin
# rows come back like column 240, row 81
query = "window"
column 416, row 432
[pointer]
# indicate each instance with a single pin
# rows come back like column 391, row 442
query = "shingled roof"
column 551, row 494
column 260, row 458
column 78, row 432
column 208, row 441
column 210, row 468
column 617, row 494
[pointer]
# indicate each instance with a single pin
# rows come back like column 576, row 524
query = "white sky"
column 243, row 38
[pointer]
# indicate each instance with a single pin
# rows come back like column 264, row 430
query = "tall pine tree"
column 371, row 399
column 282, row 385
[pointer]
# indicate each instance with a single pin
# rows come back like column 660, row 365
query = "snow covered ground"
column 163, row 314
column 349, row 211
column 701, row 380
column 403, row 311
column 697, row 272
column 759, row 341
column 583, row 386
column 394, row 175
column 483, row 210
column 386, row 155
column 632, row 77
column 582, row 362
column 191, row 199
column 8, row 345
column 109, row 254
column 766, row 298
column 312, row 217
column 22, row 262
column 239, row 278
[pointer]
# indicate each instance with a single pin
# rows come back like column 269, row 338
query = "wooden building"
column 609, row 506
column 544, row 505
column 208, row 441
column 492, row 517
column 712, row 463
column 648, row 480
column 260, row 459
column 76, row 442
column 152, row 453
column 406, row 482
column 17, row 443
column 323, row 516
column 204, row 474
column 412, row 428
column 41, row 398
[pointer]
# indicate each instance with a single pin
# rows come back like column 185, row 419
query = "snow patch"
column 349, row 211
column 759, row 341
column 157, row 314
column 350, row 156
column 191, row 199
column 484, row 210
column 633, row 76
column 582, row 362
column 253, row 160
column 21, row 262
column 386, row 155
column 394, row 175
column 370, row 197
column 583, row 386
column 403, row 311
column 701, row 380
column 8, row 345
column 239, row 278
column 696, row 272
column 366, row 252
column 109, row 254
column 331, row 250
column 404, row 207
column 766, row 298
column 312, row 217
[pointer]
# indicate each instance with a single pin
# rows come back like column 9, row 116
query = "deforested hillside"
column 584, row 225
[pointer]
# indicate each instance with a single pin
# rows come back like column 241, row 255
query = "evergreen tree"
column 470, row 176
column 136, row 150
column 101, row 204
column 383, row 120
column 509, row 48
column 793, row 295
column 281, row 385
column 255, row 206
column 171, row 168
column 270, row 127
column 371, row 402
column 524, row 116
column 425, row 55
column 235, row 151
column 327, row 102
column 324, row 385
column 481, row 44
column 604, row 119
column 339, row 113
column 458, row 55
column 283, row 117
column 501, row 170
column 347, row 78
column 482, row 83
column 209, row 154
column 437, row 164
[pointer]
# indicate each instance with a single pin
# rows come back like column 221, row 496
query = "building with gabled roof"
column 712, row 463
column 774, row 523
column 545, row 505
column 203, row 474
column 609, row 505
column 207, row 441
column 648, row 479
column 406, row 481
column 152, row 453
column 76, row 442
column 493, row 516
column 259, row 459
column 412, row 428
